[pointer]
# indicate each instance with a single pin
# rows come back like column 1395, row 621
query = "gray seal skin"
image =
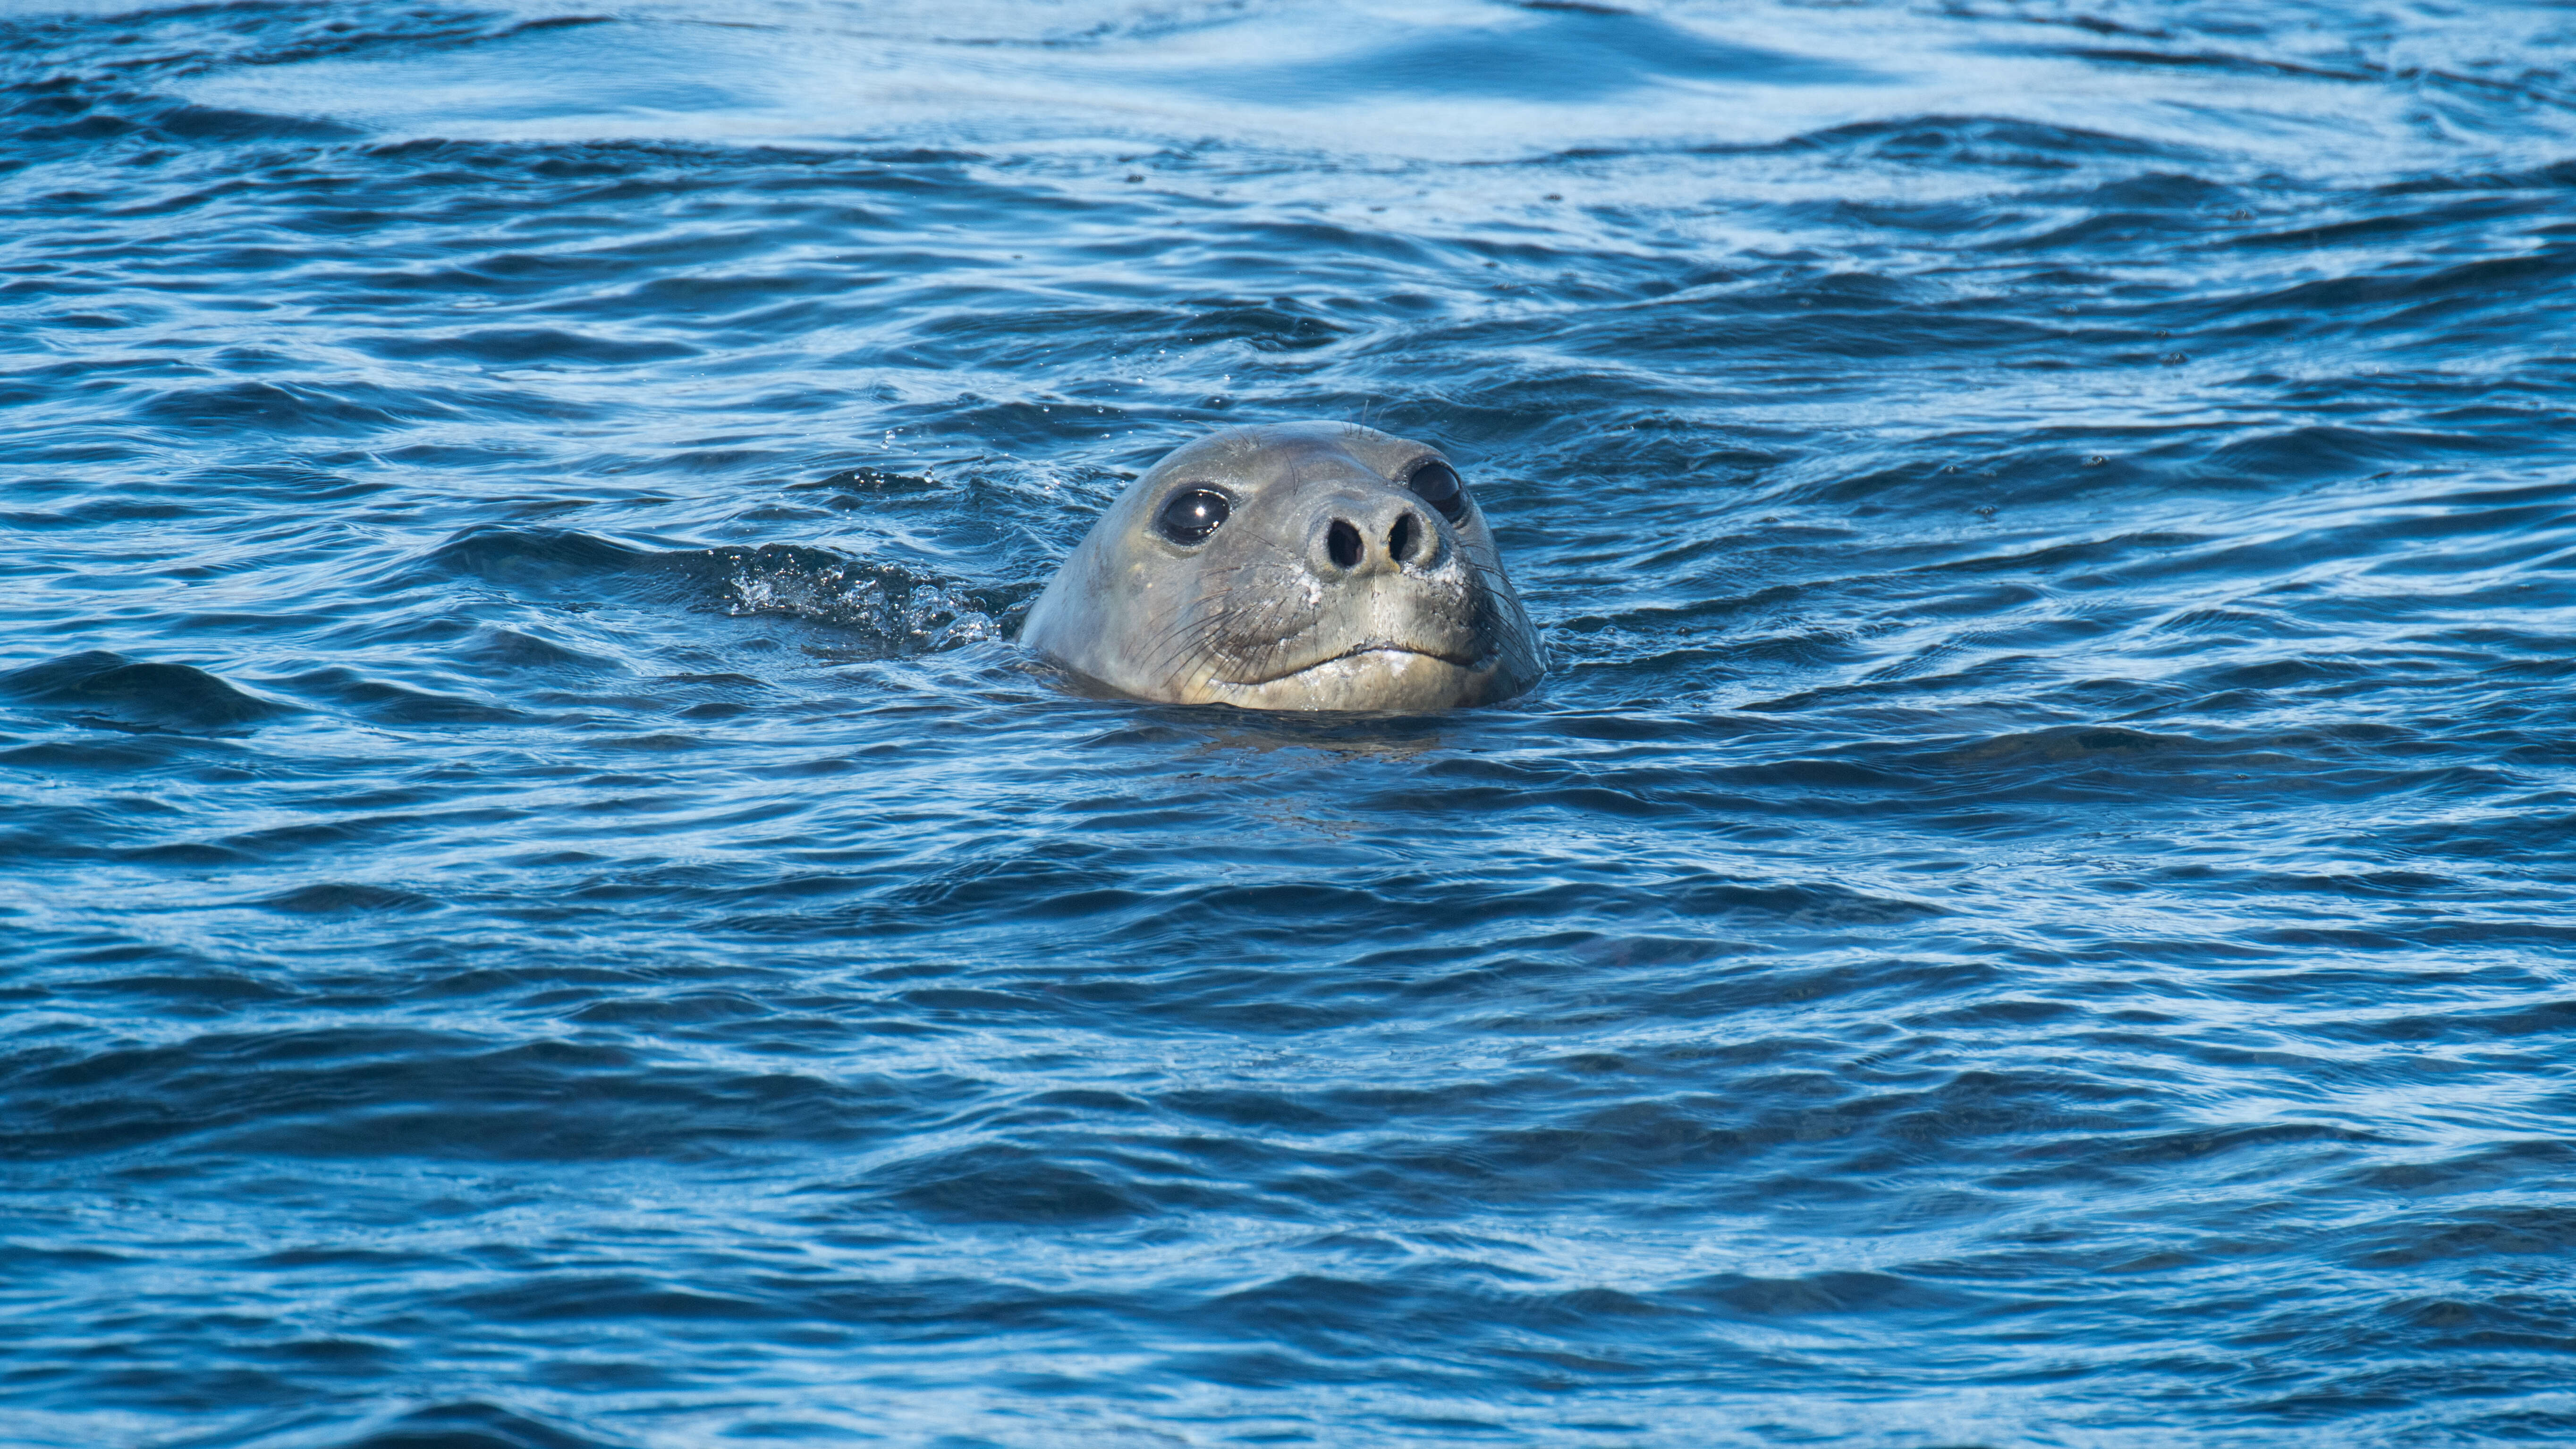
column 1311, row 566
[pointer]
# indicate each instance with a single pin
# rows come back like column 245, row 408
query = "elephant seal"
column 1310, row 566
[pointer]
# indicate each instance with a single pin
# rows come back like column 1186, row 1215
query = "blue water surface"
column 544, row 910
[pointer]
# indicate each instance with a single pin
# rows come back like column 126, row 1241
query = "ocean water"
column 544, row 910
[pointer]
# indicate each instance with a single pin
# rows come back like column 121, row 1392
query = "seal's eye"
column 1192, row 515
column 1436, row 483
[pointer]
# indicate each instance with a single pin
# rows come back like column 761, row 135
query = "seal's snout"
column 1365, row 536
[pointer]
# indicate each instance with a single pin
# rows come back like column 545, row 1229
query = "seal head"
column 1315, row 566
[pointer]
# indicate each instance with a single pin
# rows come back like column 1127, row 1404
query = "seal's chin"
column 1371, row 677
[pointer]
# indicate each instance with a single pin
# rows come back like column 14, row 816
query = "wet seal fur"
column 1345, row 569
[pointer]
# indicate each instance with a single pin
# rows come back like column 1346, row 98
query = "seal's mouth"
column 1457, row 661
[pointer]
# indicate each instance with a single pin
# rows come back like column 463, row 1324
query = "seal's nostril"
column 1399, row 539
column 1343, row 542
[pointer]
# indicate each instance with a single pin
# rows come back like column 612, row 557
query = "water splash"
column 907, row 614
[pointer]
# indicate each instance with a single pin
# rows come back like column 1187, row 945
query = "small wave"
column 996, row 1182
column 523, row 347
column 293, row 407
column 1563, row 52
column 2003, row 142
column 125, row 692
column 343, row 899
column 388, row 703
column 518, row 649
column 1828, row 1293
column 525, row 556
column 469, row 1425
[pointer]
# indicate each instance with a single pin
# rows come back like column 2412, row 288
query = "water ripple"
column 2032, row 906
